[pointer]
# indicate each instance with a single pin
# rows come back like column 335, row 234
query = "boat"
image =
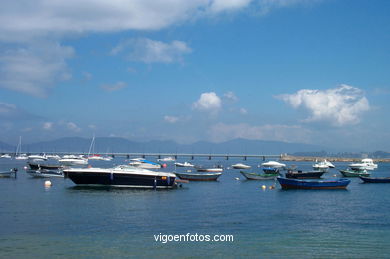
column 18, row 155
column 256, row 176
column 38, row 166
column 304, row 175
column 274, row 164
column 95, row 157
column 185, row 164
column 121, row 176
column 166, row 159
column 365, row 164
column 354, row 173
column 287, row 183
column 73, row 161
column 375, row 179
column 5, row 156
column 321, row 166
column 54, row 157
column 45, row 173
column 199, row 176
column 37, row 157
column 241, row 166
column 271, row 170
column 145, row 164
column 329, row 164
column 7, row 174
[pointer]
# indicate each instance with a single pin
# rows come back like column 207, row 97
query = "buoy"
column 47, row 183
column 272, row 187
column 237, row 178
column 334, row 175
column 264, row 187
column 164, row 165
column 25, row 168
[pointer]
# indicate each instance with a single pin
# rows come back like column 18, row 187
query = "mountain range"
column 122, row 145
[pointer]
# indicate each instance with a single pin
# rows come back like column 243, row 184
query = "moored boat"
column 354, row 173
column 274, row 164
column 375, row 179
column 287, row 183
column 365, row 164
column 45, row 173
column 185, row 164
column 7, row 174
column 241, row 166
column 199, row 176
column 256, row 176
column 121, row 176
column 38, row 166
column 304, row 175
column 211, row 170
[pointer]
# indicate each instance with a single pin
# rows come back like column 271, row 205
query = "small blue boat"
column 313, row 184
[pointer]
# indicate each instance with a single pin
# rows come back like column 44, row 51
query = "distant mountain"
column 122, row 145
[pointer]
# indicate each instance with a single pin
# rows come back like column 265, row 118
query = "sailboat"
column 92, row 149
column 19, row 156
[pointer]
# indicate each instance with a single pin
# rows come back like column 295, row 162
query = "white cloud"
column 243, row 111
column 34, row 69
column 114, row 87
column 151, row 51
column 339, row 106
column 266, row 6
column 230, row 96
column 228, row 5
column 170, row 119
column 289, row 133
column 73, row 127
column 48, row 125
column 208, row 102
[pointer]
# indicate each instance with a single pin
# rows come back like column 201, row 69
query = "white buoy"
column 264, row 187
column 47, row 183
column 237, row 178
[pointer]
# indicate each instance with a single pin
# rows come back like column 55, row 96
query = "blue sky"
column 290, row 70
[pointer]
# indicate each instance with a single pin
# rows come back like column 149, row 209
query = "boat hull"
column 121, row 179
column 199, row 177
column 45, row 173
column 286, row 183
column 375, row 179
column 255, row 176
column 271, row 170
column 211, row 170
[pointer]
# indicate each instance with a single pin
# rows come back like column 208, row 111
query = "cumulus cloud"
column 151, row 51
column 228, row 5
column 243, row 111
column 339, row 106
column 208, row 102
column 289, row 133
column 114, row 87
column 34, row 69
column 171, row 119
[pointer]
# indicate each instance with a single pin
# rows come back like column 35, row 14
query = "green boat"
column 354, row 173
column 256, row 176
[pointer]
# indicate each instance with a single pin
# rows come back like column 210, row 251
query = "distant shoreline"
column 331, row 159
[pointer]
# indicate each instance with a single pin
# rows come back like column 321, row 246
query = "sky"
column 306, row 71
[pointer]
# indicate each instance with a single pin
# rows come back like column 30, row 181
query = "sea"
column 254, row 219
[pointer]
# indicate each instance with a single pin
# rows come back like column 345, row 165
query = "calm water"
column 65, row 221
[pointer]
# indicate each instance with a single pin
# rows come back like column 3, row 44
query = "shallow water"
column 65, row 221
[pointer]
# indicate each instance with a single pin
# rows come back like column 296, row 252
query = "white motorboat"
column 241, row 166
column 185, row 164
column 273, row 164
column 365, row 164
column 73, row 161
column 45, row 173
column 5, row 156
column 37, row 157
column 321, row 166
column 166, row 159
